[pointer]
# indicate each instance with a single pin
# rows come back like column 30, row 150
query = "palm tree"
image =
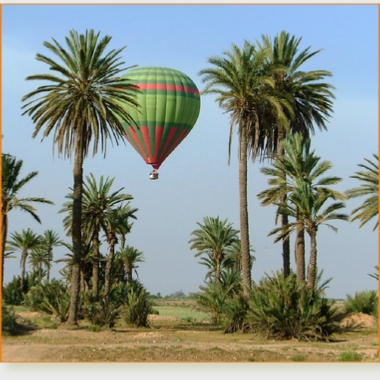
column 97, row 199
column 369, row 186
column 49, row 240
column 308, row 202
column 213, row 238
column 11, row 186
column 244, row 87
column 24, row 242
column 306, row 193
column 129, row 256
column 84, row 103
column 233, row 259
column 39, row 258
column 117, row 225
column 310, row 97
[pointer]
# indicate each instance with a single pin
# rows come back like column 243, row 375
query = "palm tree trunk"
column 107, row 274
column 95, row 267
column 76, row 230
column 244, row 225
column 48, row 265
column 312, row 267
column 285, row 246
column 218, row 270
column 300, row 251
column 284, row 217
column 24, row 256
column 129, row 273
column 3, row 242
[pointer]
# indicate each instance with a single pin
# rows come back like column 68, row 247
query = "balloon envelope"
column 169, row 107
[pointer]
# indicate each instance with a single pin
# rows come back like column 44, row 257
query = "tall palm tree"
column 212, row 238
column 310, row 97
column 84, row 103
column 369, row 186
column 12, row 184
column 24, row 242
column 129, row 256
column 244, row 86
column 306, row 192
column 49, row 240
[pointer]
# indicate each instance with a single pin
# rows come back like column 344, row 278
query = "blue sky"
column 195, row 180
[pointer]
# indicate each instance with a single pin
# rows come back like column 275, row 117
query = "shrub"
column 136, row 306
column 363, row 302
column 101, row 313
column 51, row 298
column 235, row 313
column 8, row 319
column 12, row 292
column 211, row 300
column 282, row 309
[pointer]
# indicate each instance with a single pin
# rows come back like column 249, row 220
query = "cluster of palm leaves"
column 363, row 302
column 11, row 186
column 36, row 250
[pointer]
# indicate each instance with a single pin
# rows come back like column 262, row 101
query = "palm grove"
column 274, row 109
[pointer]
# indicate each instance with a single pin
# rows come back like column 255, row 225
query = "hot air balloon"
column 169, row 107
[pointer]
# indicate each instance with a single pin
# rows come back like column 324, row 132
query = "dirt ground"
column 170, row 341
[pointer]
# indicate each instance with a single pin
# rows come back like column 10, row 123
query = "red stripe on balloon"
column 171, row 134
column 168, row 87
column 145, row 134
column 136, row 142
column 179, row 138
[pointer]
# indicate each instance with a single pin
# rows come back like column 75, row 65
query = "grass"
column 350, row 356
column 298, row 358
column 184, row 313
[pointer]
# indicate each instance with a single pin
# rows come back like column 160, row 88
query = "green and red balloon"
column 169, row 108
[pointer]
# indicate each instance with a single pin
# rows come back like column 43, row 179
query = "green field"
column 182, row 312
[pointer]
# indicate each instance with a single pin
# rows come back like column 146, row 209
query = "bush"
column 51, row 298
column 8, row 319
column 282, row 309
column 235, row 313
column 129, row 301
column 363, row 302
column 12, row 292
column 212, row 300
column 136, row 305
column 101, row 313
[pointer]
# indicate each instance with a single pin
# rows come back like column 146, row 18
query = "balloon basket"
column 153, row 175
